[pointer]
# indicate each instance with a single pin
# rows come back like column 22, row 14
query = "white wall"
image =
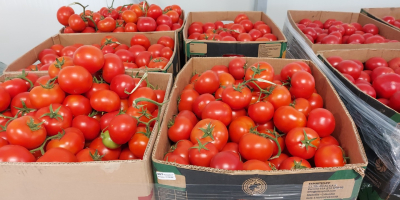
column 26, row 23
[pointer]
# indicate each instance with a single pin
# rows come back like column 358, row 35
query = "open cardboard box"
column 379, row 13
column 295, row 16
column 202, row 182
column 31, row 56
column 120, row 179
column 208, row 48
column 363, row 55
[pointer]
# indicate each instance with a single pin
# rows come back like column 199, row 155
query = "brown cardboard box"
column 208, row 48
column 295, row 16
column 88, row 39
column 195, row 182
column 105, row 180
column 379, row 13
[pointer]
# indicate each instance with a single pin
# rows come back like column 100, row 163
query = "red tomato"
column 294, row 163
column 371, row 28
column 63, row 14
column 89, row 57
column 302, row 142
column 218, row 110
column 302, row 105
column 146, row 24
column 5, row 99
column 316, row 101
column 166, row 41
column 158, row 62
column 108, row 154
column 226, row 160
column 75, row 79
column 375, row 62
column 144, row 92
column 143, row 59
column 367, row 88
column 26, row 131
column 278, row 161
column 329, row 156
column 113, row 66
column 202, row 153
column 261, row 70
column 76, row 23
column 139, row 142
column 256, row 165
column 122, row 127
column 289, row 69
column 236, row 68
column 55, row 118
column 328, row 140
column 286, row 118
column 240, row 127
column 105, row 100
column 15, row 86
column 208, row 130
column 121, row 83
column 107, row 24
column 261, row 112
column 42, row 96
column 280, row 96
column 322, row 121
column 68, row 51
column 252, row 146
column 89, row 126
column 237, row 97
column 386, row 85
column 394, row 101
column 200, row 102
column 302, row 85
column 349, row 67
column 208, row 82
column 394, row 63
column 58, row 155
column 15, row 153
column 88, row 154
column 72, row 139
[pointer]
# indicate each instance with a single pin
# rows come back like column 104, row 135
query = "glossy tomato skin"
column 15, row 153
column 226, row 160
column 63, row 14
column 58, row 155
column 105, row 100
column 261, row 112
column 328, row 140
column 180, row 129
column 278, row 161
column 144, row 92
column 89, row 126
column 236, row 68
column 208, row 82
column 78, row 104
column 113, row 66
column 215, row 132
column 109, row 154
column 302, row 142
column 294, row 163
column 72, row 140
column 217, row 110
column 375, row 62
column 146, row 24
column 316, row 101
column 262, row 70
column 240, row 127
column 322, row 121
column 5, row 99
column 122, row 127
column 252, row 146
column 286, row 118
column 256, row 165
column 26, row 131
column 121, row 83
column 202, row 154
column 75, row 79
column 138, row 143
column 89, row 57
column 329, row 156
column 386, row 85
column 55, row 118
column 280, row 96
column 302, row 85
column 237, row 99
column 15, row 86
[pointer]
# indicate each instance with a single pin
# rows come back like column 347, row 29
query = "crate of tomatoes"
column 256, row 128
column 155, row 52
column 388, row 16
column 80, row 131
column 326, row 30
column 232, row 33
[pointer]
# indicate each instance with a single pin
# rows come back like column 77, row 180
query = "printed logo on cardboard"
column 380, row 166
column 254, row 186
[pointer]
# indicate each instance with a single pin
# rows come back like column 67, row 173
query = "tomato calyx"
column 53, row 114
column 23, row 76
column 91, row 19
column 50, row 83
column 171, row 122
column 107, row 141
column 58, row 136
column 208, row 131
column 32, row 126
column 297, row 165
column 257, row 70
column 96, row 80
column 272, row 166
column 200, row 145
column 24, row 110
column 306, row 142
column 59, row 64
column 293, row 104
column 109, row 41
column 93, row 113
column 345, row 158
column 253, row 130
column 96, row 156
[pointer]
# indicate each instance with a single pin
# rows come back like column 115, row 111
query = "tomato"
column 122, row 127
column 108, row 154
column 316, row 101
column 180, row 129
column 48, row 59
column 328, row 140
column 367, row 88
column 256, row 165
column 262, row 70
column 209, row 130
column 261, row 112
column 113, row 66
column 121, row 83
column 375, row 62
column 302, row 85
column 129, row 16
column 189, row 115
column 125, row 55
column 237, row 97
column 386, row 85
column 294, row 163
column 63, row 14
column 96, row 86
column 15, row 86
column 89, row 126
column 55, row 118
column 68, row 51
column 76, row 23
column 236, row 68
column 26, row 131
column 311, row 32
column 302, row 142
column 5, row 99
column 15, row 153
column 139, row 142
column 199, row 103
column 195, row 28
column 287, row 118
column 159, row 63
column 146, row 24
column 144, row 92
column 302, row 105
column 58, row 154
column 75, row 79
column 42, row 96
column 181, row 148
column 88, row 154
column 371, row 28
column 331, row 39
column 232, row 147
column 279, row 96
column 176, row 159
column 138, row 9
column 394, row 63
column 143, row 59
column 60, row 63
column 208, row 82
column 218, row 110
column 107, row 24
column 105, row 100
column 252, row 146
column 164, row 20
column 78, row 104
column 166, row 41
column 201, row 154
column 21, row 105
column 226, row 160
column 329, row 156
column 89, row 57
column 374, row 39
column 394, row 101
column 240, row 127
column 72, row 139
column 278, row 161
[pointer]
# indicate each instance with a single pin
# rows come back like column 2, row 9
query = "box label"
column 329, row 189
column 166, row 176
column 198, row 48
column 269, row 50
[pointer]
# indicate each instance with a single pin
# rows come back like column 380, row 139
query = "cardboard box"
column 105, row 180
column 31, row 56
column 379, row 13
column 295, row 16
column 363, row 55
column 193, row 182
column 207, row 48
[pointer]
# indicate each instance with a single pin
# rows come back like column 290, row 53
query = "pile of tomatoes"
column 86, row 109
column 391, row 20
column 376, row 77
column 140, row 17
column 336, row 32
column 141, row 53
column 245, row 113
column 241, row 30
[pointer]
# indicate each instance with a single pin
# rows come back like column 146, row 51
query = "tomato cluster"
column 140, row 17
column 241, row 112
column 86, row 100
column 391, row 20
column 376, row 77
column 336, row 32
column 141, row 53
column 241, row 30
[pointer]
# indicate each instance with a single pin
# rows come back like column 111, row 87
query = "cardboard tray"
column 31, row 56
column 294, row 16
column 379, row 13
column 363, row 55
column 105, row 180
column 202, row 182
column 206, row 48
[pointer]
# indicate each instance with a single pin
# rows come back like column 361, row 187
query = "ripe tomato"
column 289, row 69
column 302, row 105
column 262, row 70
column 329, row 156
column 144, row 92
column 164, row 20
column 386, row 85
column 240, row 127
column 42, row 96
column 199, row 103
column 88, row 154
column 158, row 62
column 26, row 131
column 55, row 118
column 107, row 24
column 394, row 101
column 72, row 139
column 108, row 154
column 15, row 153
column 375, row 62
column 121, row 83
column 78, row 104
column 202, row 153
column 146, row 24
column 5, row 99
column 76, row 23
column 328, row 140
column 176, row 159
column 252, row 146
column 125, row 55
column 394, row 63
column 302, row 142
column 105, row 100
column 208, row 82
column 232, row 147
column 217, row 110
column 379, row 71
column 143, row 59
column 58, row 155
column 15, row 86
column 113, row 66
column 122, row 127
column 21, row 105
column 75, row 79
column 294, row 163
column 180, row 128
column 237, row 97
column 322, row 121
column 96, row 86
column 129, row 16
column 89, row 57
column 126, row 154
column 279, row 96
column 316, row 101
column 371, row 28
column 68, row 51
column 287, row 118
column 302, row 85
column 261, row 112
column 226, row 160
column 209, row 130
column 278, row 161
column 89, row 126
column 236, row 68
column 109, row 41
column 63, row 14
column 139, row 141
column 256, row 165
